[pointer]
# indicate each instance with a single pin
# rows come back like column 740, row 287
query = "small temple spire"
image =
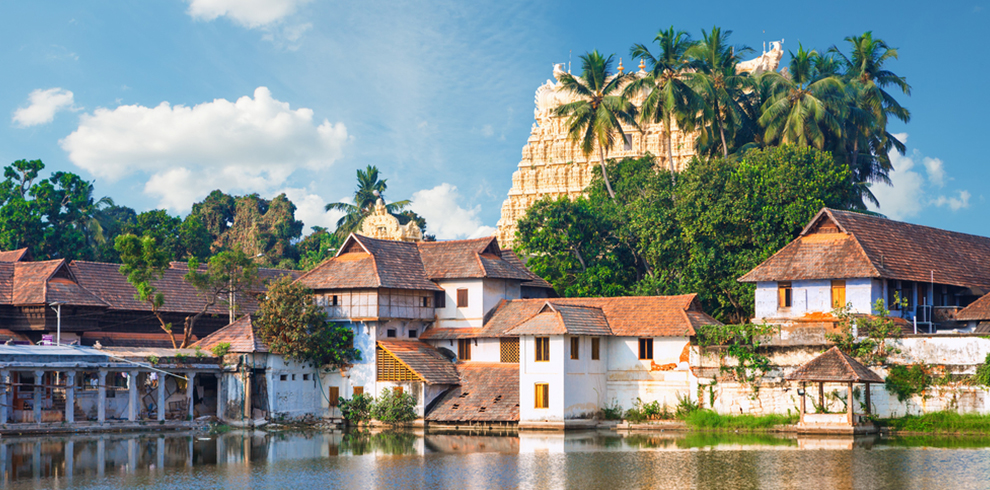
column 621, row 68
column 642, row 66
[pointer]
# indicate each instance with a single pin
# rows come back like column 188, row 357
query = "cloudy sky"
column 161, row 102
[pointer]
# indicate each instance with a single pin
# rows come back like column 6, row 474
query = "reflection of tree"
column 710, row 439
column 359, row 443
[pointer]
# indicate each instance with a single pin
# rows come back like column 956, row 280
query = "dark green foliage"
column 722, row 218
column 394, row 407
column 368, row 184
column 871, row 348
column 317, row 247
column 941, row 422
column 742, row 343
column 143, row 263
column 982, row 375
column 907, row 381
column 648, row 411
column 294, row 326
column 612, row 411
column 357, row 410
column 708, row 419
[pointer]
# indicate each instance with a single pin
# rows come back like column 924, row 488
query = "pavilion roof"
column 834, row 366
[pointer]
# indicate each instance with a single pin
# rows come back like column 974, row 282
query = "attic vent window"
column 413, row 333
column 426, row 301
column 390, row 333
column 464, row 395
column 498, row 399
column 455, row 406
column 482, row 410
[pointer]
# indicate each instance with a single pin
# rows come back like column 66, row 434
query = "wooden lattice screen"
column 509, row 349
column 390, row 369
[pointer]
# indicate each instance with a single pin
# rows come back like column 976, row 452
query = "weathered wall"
column 453, row 317
column 585, row 380
column 532, row 372
column 815, row 297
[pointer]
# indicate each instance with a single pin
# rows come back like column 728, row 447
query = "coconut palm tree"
column 718, row 84
column 802, row 109
column 668, row 98
column 368, row 190
column 865, row 64
column 600, row 109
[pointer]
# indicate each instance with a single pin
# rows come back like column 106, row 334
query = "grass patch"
column 707, row 419
column 943, row 441
column 940, row 422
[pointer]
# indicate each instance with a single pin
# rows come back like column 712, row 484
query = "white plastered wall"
column 585, row 380
column 532, row 372
column 630, row 378
column 815, row 297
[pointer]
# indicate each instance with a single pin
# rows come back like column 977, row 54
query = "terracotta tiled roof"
column 843, row 244
column 628, row 316
column 535, row 280
column 240, row 335
column 129, row 339
column 487, row 393
column 433, row 333
column 564, row 319
column 461, row 259
column 977, row 310
column 834, row 366
column 31, row 280
column 6, row 282
column 423, row 359
column 364, row 262
column 14, row 255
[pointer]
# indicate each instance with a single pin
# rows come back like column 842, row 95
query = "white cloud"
column 248, row 13
column 250, row 145
column 310, row 208
column 42, row 106
column 911, row 191
column 445, row 217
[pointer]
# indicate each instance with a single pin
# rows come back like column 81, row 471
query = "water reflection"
column 592, row 459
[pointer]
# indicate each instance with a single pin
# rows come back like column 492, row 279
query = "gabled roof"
column 39, row 283
column 564, row 319
column 369, row 263
column 240, row 335
column 14, row 255
column 977, row 310
column 422, row 359
column 834, row 366
column 843, row 244
column 628, row 316
column 463, row 259
column 534, row 281
column 487, row 392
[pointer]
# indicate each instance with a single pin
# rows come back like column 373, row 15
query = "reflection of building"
column 553, row 165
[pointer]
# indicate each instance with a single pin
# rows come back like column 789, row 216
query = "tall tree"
column 600, row 109
column 144, row 262
column 369, row 189
column 718, row 84
column 226, row 275
column 803, row 108
column 669, row 98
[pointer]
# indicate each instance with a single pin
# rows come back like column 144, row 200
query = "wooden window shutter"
column 542, row 399
column 398, row 390
column 464, row 349
column 595, row 347
column 838, row 293
column 575, row 347
column 441, row 299
column 462, row 298
column 358, row 390
column 784, row 296
column 334, row 396
column 542, row 349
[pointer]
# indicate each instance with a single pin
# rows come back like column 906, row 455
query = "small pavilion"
column 833, row 366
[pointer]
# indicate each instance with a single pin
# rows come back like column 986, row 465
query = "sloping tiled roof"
column 834, row 366
column 130, row 339
column 461, row 259
column 423, row 359
column 13, row 255
column 977, row 310
column 434, row 333
column 564, row 319
column 628, row 316
column 30, row 281
column 843, row 244
column 6, row 282
column 488, row 392
column 535, row 281
column 240, row 335
column 369, row 263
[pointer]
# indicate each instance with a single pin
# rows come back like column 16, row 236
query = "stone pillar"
column 36, row 460
column 247, row 395
column 101, row 401
column 101, row 453
column 132, row 456
column 804, row 392
column 4, row 396
column 849, row 404
column 189, row 393
column 221, row 396
column 132, row 395
column 821, row 395
column 70, row 397
column 70, row 457
column 160, row 454
column 39, row 391
column 161, row 397
column 5, row 480
column 866, row 397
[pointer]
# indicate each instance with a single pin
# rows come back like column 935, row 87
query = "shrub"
column 394, row 407
column 708, row 419
column 983, row 372
column 357, row 410
column 907, row 381
column 199, row 352
column 685, row 406
column 612, row 411
column 220, row 349
column 153, row 359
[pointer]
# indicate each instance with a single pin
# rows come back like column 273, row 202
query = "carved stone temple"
column 552, row 165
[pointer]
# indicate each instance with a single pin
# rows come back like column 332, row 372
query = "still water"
column 594, row 459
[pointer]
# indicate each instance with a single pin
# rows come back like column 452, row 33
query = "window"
column 900, row 289
column 358, row 390
column 784, row 295
column 462, row 298
column 542, row 349
column 441, row 299
column 334, row 301
column 413, row 333
column 305, row 377
column 646, row 349
column 575, row 347
column 595, row 346
column 508, row 349
column 542, row 395
column 293, row 377
column 283, row 377
column 627, row 143
column 464, row 349
column 390, row 333
column 426, row 301
column 398, row 390
column 334, row 396
column 838, row 293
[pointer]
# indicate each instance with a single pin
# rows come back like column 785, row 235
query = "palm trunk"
column 670, row 150
column 608, row 186
column 855, row 154
column 725, row 148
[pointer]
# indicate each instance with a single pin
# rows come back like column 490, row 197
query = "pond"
column 592, row 459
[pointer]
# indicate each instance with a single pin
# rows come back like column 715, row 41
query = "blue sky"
column 171, row 99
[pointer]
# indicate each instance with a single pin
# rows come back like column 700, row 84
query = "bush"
column 394, row 407
column 945, row 421
column 709, row 419
column 612, row 411
column 907, row 381
column 983, row 372
column 357, row 410
column 685, row 406
column 220, row 349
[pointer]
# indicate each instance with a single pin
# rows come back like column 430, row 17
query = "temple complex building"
column 553, row 165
